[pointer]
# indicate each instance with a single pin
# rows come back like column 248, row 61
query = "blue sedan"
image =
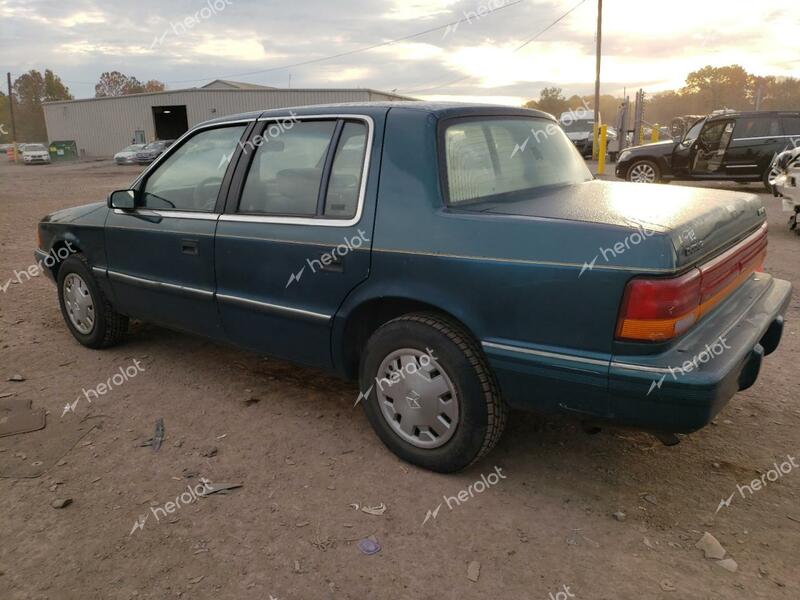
column 457, row 261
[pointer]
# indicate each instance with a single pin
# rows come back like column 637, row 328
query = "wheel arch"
column 355, row 327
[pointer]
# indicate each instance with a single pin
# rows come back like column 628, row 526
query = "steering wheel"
column 201, row 197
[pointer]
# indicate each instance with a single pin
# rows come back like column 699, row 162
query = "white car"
column 127, row 156
column 784, row 177
column 35, row 153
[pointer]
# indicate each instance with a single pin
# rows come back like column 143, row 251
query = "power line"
column 450, row 25
column 518, row 48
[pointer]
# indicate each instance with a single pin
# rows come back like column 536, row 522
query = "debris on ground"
column 61, row 502
column 158, row 437
column 710, row 547
column 473, row 570
column 620, row 516
column 209, row 451
column 369, row 546
column 218, row 488
column 728, row 564
column 16, row 377
column 667, row 586
column 374, row 510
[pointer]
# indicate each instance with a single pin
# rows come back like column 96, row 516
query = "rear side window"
column 501, row 158
column 344, row 187
column 791, row 125
column 314, row 169
column 286, row 172
column 757, row 127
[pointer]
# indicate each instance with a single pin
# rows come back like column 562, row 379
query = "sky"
column 184, row 43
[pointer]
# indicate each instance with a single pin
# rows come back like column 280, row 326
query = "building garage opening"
column 170, row 121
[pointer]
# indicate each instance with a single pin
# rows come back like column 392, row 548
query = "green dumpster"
column 63, row 150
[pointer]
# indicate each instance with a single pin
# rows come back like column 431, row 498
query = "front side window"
column 191, row 177
column 693, row 132
column 501, row 158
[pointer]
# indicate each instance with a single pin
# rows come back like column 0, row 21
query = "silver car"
column 127, row 156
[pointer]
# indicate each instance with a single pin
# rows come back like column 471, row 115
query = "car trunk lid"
column 701, row 222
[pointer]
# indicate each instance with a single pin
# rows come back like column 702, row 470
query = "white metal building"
column 103, row 126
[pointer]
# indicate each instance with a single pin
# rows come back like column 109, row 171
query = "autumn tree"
column 30, row 90
column 721, row 87
column 114, row 83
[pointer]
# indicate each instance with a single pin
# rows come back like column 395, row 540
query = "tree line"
column 705, row 90
column 32, row 89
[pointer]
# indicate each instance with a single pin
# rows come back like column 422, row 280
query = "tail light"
column 659, row 309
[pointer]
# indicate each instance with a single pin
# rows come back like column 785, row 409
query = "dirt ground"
column 544, row 530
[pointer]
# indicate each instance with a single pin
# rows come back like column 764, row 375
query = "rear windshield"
column 577, row 126
column 502, row 158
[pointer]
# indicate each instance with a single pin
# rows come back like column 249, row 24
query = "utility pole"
column 595, row 146
column 11, row 115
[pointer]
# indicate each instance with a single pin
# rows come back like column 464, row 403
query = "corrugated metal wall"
column 102, row 127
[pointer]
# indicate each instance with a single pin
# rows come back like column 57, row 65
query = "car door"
column 708, row 152
column 755, row 141
column 684, row 151
column 295, row 238
column 160, row 255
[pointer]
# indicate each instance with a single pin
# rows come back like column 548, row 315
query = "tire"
column 108, row 327
column 456, row 362
column 644, row 171
column 765, row 180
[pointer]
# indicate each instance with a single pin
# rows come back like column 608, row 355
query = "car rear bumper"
column 677, row 391
column 682, row 389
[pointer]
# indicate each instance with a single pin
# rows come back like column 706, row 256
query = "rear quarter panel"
column 509, row 280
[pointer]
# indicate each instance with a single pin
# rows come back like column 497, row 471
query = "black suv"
column 733, row 146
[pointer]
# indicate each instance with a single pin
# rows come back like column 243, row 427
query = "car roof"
column 754, row 114
column 440, row 110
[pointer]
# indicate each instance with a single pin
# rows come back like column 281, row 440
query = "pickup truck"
column 458, row 261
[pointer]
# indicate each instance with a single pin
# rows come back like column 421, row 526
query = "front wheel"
column 644, row 171
column 430, row 394
column 86, row 310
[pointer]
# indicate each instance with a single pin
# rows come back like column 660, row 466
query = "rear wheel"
column 86, row 310
column 644, row 171
column 430, row 394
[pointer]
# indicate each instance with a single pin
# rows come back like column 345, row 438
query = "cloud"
column 653, row 47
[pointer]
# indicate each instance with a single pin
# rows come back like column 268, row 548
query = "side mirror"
column 122, row 199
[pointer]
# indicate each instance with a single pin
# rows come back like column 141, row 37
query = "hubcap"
column 79, row 303
column 417, row 398
column 643, row 173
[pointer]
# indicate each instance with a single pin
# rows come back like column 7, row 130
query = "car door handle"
column 189, row 247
